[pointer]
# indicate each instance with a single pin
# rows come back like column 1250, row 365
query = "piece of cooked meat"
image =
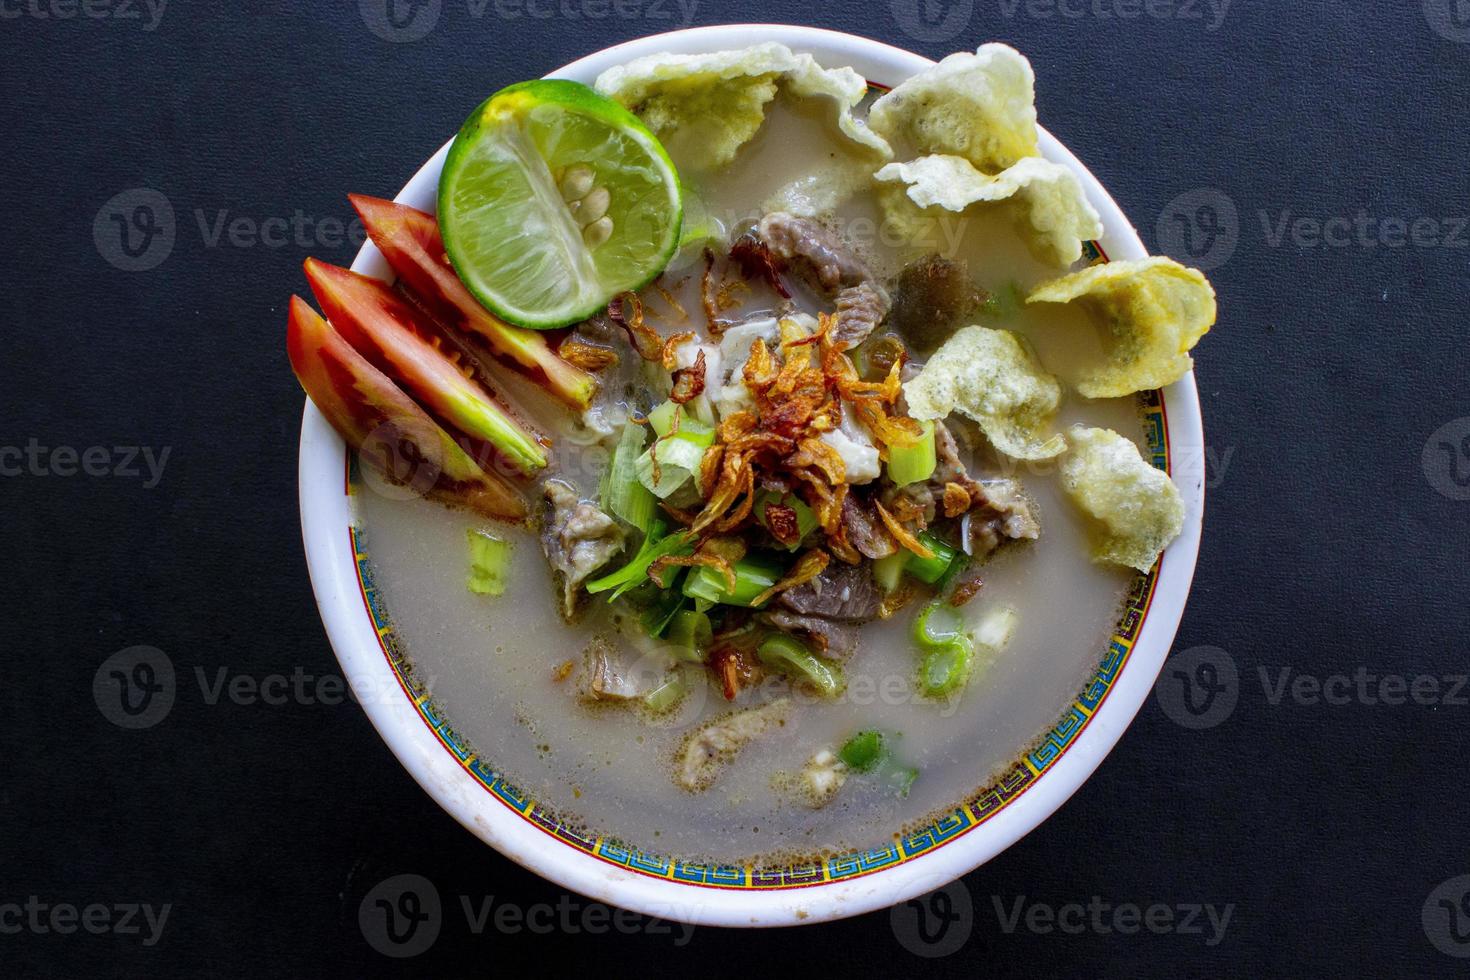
column 832, row 639
column 999, row 509
column 931, row 296
column 860, row 309
column 845, row 593
column 578, row 540
column 712, row 747
column 813, row 250
column 1001, row 514
column 865, row 531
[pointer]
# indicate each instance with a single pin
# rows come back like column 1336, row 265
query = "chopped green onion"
column 888, row 572
column 691, row 634
column 666, row 695
column 863, row 751
column 678, row 460
column 489, row 563
column 945, row 667
column 790, row 656
column 901, row 778
column 938, row 624
column 911, row 464
column 955, row 570
column 690, row 429
column 622, row 494
column 665, row 606
column 634, row 573
column 752, row 577
column 806, row 521
column 931, row 570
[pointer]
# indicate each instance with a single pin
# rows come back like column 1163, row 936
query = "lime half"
column 553, row 200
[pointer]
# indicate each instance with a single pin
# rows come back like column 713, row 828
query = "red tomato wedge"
column 389, row 332
column 390, row 432
column 409, row 240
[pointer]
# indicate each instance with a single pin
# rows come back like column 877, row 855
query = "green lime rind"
column 512, row 238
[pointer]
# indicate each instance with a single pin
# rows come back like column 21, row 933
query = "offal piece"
column 860, row 309
column 707, row 751
column 930, row 297
column 578, row 540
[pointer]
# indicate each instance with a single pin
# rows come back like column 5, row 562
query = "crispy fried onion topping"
column 799, row 390
column 808, row 567
column 645, row 339
column 588, row 357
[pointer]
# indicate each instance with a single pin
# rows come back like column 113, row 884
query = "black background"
column 1331, row 543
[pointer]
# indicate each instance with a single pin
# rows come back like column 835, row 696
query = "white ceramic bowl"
column 912, row 866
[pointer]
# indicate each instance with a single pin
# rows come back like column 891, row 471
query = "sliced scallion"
column 752, row 577
column 489, row 563
column 863, row 751
column 888, row 572
column 912, row 464
column 790, row 656
column 622, row 493
column 931, row 570
column 635, row 573
column 690, row 634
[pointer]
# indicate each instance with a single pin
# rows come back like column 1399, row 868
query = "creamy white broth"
column 489, row 662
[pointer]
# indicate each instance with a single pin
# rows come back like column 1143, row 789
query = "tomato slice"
column 390, row 432
column 390, row 333
column 409, row 240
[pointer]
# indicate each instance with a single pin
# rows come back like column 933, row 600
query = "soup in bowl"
column 808, row 572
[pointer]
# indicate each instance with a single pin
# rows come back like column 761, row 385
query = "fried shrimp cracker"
column 1156, row 311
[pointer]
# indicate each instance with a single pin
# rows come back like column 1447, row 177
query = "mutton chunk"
column 999, row 509
column 814, row 251
column 844, row 593
column 578, row 539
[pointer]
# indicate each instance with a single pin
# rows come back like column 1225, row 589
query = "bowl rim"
column 329, row 541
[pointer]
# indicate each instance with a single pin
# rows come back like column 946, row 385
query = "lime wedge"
column 553, row 200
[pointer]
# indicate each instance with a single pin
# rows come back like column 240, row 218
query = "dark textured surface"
column 1333, row 543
